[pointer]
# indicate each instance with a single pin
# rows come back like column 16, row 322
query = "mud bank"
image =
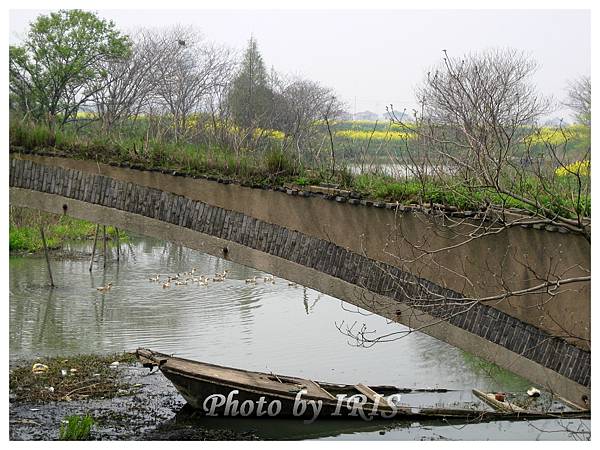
column 151, row 412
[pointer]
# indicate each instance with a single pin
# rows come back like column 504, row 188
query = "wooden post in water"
column 104, row 236
column 94, row 247
column 47, row 256
column 118, row 244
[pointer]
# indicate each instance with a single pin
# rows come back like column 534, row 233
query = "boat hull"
column 218, row 399
column 220, row 391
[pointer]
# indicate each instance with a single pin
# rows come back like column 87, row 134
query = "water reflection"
column 344, row 429
column 285, row 328
column 266, row 327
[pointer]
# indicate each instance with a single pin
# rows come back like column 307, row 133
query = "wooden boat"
column 224, row 391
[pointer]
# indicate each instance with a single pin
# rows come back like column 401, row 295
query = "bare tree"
column 299, row 106
column 186, row 69
column 580, row 99
column 128, row 86
column 476, row 127
column 479, row 146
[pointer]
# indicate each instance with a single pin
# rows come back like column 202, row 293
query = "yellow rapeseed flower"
column 375, row 135
column 582, row 168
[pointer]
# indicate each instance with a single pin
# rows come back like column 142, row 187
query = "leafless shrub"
column 580, row 99
column 184, row 72
column 478, row 142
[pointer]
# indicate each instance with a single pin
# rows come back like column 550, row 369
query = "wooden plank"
column 327, row 394
column 371, row 394
column 571, row 404
column 497, row 405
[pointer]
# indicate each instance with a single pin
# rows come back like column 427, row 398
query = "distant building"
column 345, row 115
column 400, row 115
column 557, row 122
column 366, row 115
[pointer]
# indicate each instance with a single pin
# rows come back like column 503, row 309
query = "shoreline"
column 145, row 406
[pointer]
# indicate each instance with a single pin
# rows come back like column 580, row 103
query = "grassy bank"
column 270, row 165
column 458, row 194
column 274, row 167
column 24, row 230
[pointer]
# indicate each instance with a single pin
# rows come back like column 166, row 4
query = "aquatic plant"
column 76, row 428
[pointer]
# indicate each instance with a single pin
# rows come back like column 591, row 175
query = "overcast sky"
column 374, row 58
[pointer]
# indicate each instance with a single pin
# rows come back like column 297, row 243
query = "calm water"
column 399, row 171
column 268, row 327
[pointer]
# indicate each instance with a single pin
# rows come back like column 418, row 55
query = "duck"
column 181, row 283
column 156, row 278
column 166, row 284
column 251, row 280
column 269, row 279
column 105, row 288
column 291, row 283
column 218, row 278
column 222, row 275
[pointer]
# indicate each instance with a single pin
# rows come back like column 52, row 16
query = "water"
column 401, row 171
column 286, row 329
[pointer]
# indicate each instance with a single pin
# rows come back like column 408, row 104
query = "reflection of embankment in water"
column 259, row 326
column 263, row 327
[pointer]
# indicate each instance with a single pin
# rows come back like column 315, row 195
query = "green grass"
column 455, row 193
column 76, row 428
column 28, row 239
column 24, row 231
column 257, row 166
column 273, row 166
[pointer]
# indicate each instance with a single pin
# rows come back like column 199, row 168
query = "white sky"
column 378, row 57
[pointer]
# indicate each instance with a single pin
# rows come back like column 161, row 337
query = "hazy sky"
column 374, row 58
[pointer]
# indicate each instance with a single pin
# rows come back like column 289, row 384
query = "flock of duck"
column 203, row 280
column 191, row 278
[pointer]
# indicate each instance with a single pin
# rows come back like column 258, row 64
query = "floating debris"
column 94, row 376
column 39, row 368
column 533, row 392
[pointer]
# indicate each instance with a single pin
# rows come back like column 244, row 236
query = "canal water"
column 278, row 327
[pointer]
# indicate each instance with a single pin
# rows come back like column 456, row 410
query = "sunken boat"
column 215, row 390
